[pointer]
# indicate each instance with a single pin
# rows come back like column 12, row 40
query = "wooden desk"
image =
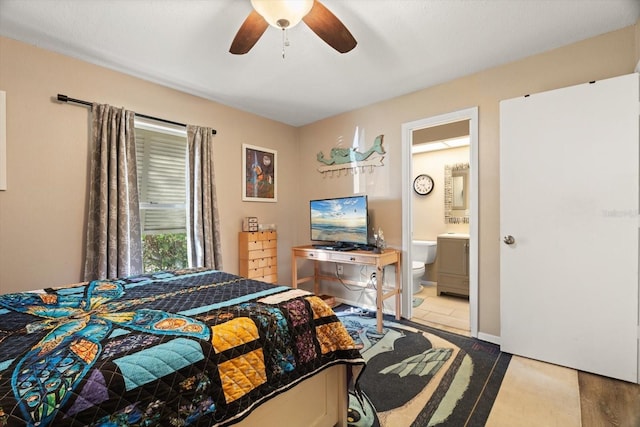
column 380, row 261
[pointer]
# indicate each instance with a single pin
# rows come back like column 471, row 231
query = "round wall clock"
column 423, row 184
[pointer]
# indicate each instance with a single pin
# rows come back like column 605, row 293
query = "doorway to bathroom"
column 441, row 151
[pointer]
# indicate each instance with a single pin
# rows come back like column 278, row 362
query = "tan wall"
column 609, row 55
column 42, row 213
column 428, row 211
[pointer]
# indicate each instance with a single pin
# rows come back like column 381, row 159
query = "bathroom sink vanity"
column 453, row 264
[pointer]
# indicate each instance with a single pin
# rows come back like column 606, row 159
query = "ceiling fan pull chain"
column 285, row 40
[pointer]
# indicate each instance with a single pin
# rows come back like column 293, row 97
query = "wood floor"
column 539, row 394
column 608, row 402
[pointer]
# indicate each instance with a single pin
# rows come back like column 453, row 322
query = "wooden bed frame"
column 319, row 401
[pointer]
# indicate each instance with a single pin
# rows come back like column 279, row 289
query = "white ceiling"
column 403, row 45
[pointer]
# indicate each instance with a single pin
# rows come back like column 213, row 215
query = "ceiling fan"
column 284, row 14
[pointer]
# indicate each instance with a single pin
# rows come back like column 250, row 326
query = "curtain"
column 203, row 221
column 113, row 242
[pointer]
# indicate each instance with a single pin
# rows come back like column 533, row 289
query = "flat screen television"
column 341, row 221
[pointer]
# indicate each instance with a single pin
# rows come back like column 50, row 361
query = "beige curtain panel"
column 203, row 221
column 113, row 242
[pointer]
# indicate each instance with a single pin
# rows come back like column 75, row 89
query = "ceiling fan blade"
column 251, row 30
column 329, row 28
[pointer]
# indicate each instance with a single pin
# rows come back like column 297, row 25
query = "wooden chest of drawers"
column 258, row 253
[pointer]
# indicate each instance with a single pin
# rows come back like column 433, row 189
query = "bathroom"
column 440, row 214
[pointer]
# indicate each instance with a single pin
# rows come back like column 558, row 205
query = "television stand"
column 357, row 257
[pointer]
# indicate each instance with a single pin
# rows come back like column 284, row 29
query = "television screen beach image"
column 341, row 220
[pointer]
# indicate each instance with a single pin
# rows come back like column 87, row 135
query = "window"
column 161, row 155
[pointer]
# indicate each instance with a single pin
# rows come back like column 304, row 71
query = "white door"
column 569, row 187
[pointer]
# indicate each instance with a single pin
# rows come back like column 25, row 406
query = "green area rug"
column 420, row 376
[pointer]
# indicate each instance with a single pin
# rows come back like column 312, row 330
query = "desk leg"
column 398, row 290
column 294, row 272
column 316, row 271
column 379, row 300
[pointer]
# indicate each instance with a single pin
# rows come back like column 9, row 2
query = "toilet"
column 423, row 252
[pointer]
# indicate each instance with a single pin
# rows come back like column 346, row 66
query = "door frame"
column 408, row 128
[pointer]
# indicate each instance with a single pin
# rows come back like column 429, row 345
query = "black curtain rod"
column 65, row 98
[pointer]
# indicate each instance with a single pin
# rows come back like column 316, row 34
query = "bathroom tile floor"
column 535, row 393
column 443, row 312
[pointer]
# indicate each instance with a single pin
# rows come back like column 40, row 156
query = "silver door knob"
column 509, row 240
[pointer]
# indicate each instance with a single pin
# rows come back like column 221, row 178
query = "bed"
column 191, row 347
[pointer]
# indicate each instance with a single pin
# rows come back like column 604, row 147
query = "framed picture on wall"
column 259, row 181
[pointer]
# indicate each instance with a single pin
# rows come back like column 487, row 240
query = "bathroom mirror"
column 456, row 193
column 457, row 182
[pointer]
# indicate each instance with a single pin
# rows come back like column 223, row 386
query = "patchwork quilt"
column 181, row 348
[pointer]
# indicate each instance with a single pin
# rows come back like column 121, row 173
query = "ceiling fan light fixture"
column 282, row 13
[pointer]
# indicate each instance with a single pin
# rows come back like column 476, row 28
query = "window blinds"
column 161, row 161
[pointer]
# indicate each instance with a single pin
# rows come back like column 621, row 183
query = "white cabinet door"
column 569, row 187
